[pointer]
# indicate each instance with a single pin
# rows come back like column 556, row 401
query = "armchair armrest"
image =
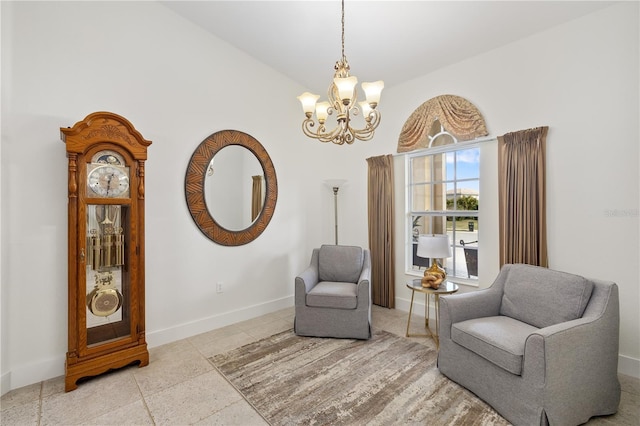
column 461, row 307
column 308, row 278
column 365, row 274
column 364, row 283
column 550, row 353
column 477, row 304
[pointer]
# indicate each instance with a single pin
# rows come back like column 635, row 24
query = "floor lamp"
column 335, row 184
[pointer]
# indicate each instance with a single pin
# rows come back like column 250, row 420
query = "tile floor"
column 180, row 386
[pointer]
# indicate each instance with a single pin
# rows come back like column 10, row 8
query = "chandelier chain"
column 342, row 29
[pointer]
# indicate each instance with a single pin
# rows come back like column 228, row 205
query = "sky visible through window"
column 467, row 167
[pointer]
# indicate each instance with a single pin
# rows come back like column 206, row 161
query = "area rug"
column 293, row 380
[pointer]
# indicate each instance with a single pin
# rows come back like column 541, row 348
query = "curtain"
column 256, row 197
column 457, row 115
column 381, row 230
column 522, row 197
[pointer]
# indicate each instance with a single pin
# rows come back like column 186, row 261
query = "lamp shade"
column 434, row 246
column 366, row 108
column 308, row 101
column 335, row 183
column 372, row 92
column 322, row 111
column 345, row 87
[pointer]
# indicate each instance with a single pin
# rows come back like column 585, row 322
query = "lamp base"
column 433, row 276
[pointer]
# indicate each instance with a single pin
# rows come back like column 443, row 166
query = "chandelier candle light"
column 343, row 98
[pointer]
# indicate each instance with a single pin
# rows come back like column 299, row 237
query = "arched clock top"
column 105, row 127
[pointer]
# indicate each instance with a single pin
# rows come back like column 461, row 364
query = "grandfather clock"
column 106, row 156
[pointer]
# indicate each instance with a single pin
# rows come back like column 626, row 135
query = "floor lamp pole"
column 335, row 207
column 335, row 184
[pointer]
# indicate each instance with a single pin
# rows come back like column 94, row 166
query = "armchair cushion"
column 340, row 263
column 542, row 297
column 327, row 294
column 499, row 340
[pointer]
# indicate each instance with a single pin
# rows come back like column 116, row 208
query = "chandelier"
column 343, row 100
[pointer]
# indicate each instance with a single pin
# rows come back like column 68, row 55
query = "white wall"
column 64, row 60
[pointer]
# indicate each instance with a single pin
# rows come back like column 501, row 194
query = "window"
column 443, row 193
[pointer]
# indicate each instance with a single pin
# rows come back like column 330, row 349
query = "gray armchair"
column 539, row 346
column 333, row 295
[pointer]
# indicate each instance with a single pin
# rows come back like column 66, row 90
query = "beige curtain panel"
column 256, row 197
column 522, row 197
column 381, row 230
column 457, row 115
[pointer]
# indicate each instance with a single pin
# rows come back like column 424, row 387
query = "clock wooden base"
column 77, row 369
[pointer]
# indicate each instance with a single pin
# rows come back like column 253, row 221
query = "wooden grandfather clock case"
column 106, row 158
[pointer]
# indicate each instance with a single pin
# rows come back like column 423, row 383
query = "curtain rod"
column 437, row 149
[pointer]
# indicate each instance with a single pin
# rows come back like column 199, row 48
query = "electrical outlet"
column 219, row 287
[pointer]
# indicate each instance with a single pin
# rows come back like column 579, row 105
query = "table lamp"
column 435, row 247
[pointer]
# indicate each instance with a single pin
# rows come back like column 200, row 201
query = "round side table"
column 414, row 285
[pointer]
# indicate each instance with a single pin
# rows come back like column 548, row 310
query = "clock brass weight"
column 106, row 318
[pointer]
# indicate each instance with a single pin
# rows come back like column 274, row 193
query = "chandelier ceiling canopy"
column 343, row 101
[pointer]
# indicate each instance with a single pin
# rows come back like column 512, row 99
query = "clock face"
column 109, row 181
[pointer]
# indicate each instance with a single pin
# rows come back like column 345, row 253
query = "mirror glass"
column 233, row 187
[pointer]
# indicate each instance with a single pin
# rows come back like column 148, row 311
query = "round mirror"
column 231, row 187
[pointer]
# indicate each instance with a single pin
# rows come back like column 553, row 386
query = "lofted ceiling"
column 393, row 41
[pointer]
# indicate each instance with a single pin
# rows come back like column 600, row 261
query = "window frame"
column 409, row 213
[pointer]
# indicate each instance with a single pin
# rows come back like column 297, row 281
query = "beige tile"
column 383, row 313
column 286, row 313
column 191, row 401
column 224, row 344
column 630, row 384
column 237, row 414
column 170, row 368
column 132, row 414
column 214, row 335
column 255, row 322
column 629, row 409
column 21, row 396
column 93, row 398
column 628, row 413
column 399, row 326
column 51, row 386
column 269, row 328
column 170, row 350
column 20, row 414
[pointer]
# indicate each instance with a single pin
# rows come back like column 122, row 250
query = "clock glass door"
column 107, row 272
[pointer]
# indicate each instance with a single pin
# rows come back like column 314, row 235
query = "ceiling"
column 393, row 41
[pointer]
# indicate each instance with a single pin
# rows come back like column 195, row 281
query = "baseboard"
column 33, row 373
column 626, row 365
column 182, row 331
column 629, row 366
column 49, row 369
column 5, row 382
